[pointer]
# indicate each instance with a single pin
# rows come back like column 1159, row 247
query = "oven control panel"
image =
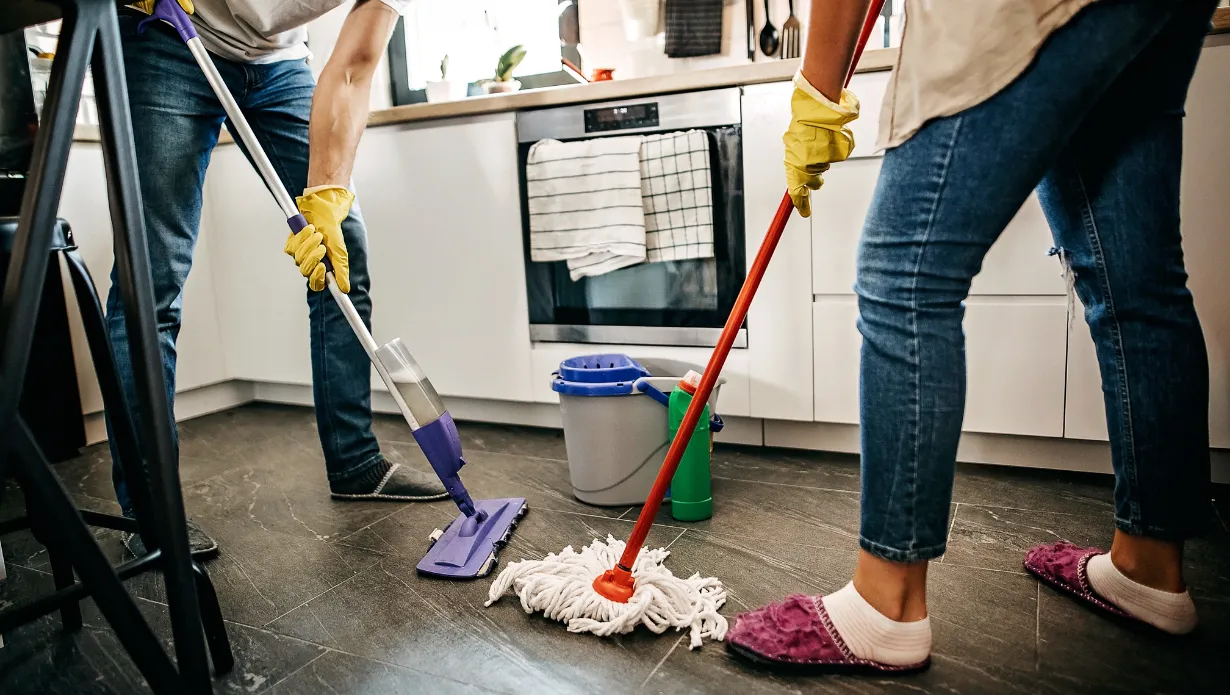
column 623, row 117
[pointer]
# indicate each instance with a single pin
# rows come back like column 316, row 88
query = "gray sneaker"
column 201, row 543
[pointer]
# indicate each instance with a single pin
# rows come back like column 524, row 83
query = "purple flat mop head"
column 467, row 548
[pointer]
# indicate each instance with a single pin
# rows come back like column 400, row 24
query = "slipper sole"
column 1091, row 601
column 823, row 668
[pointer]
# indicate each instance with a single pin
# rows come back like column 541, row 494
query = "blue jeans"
column 1095, row 124
column 176, row 119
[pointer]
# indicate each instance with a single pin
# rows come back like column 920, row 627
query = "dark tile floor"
column 323, row 596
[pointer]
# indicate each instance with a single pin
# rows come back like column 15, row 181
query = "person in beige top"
column 1082, row 101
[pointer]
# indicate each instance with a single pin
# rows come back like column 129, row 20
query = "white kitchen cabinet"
column 1017, row 264
column 442, row 208
column 1204, row 210
column 1085, row 415
column 1015, row 354
column 869, row 87
column 84, row 205
column 443, row 211
column 837, row 343
column 261, row 296
column 779, row 320
column 1015, row 357
column 838, row 211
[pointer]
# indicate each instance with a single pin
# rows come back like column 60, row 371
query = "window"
column 474, row 34
column 42, row 40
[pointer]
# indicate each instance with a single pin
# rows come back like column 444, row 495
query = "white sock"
column 1165, row 610
column 871, row 635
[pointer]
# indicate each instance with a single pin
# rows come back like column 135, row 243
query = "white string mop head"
column 561, row 586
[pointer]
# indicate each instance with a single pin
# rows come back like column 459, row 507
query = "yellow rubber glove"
column 324, row 208
column 147, row 6
column 816, row 138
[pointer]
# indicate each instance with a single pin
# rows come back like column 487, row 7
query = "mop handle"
column 727, row 340
column 170, row 12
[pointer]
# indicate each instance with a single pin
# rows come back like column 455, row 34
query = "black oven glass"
column 692, row 293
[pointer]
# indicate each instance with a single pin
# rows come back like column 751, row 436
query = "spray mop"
column 468, row 547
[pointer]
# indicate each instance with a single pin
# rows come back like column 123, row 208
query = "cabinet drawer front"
column 1015, row 356
column 778, row 323
column 1018, row 263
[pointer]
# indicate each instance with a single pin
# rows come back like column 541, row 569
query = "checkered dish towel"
column 677, row 196
column 585, row 204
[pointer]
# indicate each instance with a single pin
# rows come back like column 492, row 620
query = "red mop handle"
column 737, row 315
column 710, row 376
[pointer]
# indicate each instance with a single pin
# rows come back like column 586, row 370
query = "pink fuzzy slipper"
column 1063, row 566
column 797, row 635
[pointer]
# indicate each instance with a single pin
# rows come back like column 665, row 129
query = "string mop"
column 611, row 587
column 561, row 587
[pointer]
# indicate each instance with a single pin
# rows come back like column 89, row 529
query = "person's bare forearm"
column 342, row 100
column 339, row 113
column 832, row 32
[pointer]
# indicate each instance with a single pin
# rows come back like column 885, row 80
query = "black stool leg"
column 211, row 618
column 62, row 573
column 96, row 571
column 122, row 429
column 43, row 528
column 154, row 417
column 121, row 425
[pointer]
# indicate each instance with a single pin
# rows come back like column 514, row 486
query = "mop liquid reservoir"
column 468, row 547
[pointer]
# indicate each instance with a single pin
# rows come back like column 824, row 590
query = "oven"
column 682, row 303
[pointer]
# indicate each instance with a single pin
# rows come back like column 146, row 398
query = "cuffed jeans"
column 176, row 120
column 1095, row 125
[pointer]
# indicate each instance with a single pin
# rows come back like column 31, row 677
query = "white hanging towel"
column 585, row 204
column 677, row 192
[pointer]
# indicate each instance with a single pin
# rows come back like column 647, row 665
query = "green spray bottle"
column 691, row 498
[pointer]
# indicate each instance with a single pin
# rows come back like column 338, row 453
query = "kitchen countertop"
column 754, row 73
column 696, row 80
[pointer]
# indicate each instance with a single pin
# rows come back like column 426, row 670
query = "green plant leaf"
column 509, row 62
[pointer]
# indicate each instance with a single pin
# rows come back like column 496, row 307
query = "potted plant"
column 444, row 90
column 508, row 63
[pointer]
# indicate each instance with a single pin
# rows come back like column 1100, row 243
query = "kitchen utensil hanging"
column 792, row 35
column 769, row 39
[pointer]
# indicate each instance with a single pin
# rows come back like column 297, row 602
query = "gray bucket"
column 617, row 435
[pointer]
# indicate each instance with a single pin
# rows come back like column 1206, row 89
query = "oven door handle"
column 715, row 422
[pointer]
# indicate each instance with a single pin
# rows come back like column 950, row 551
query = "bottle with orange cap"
column 691, row 498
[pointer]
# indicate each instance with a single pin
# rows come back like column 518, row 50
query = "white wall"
column 604, row 42
column 606, row 45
